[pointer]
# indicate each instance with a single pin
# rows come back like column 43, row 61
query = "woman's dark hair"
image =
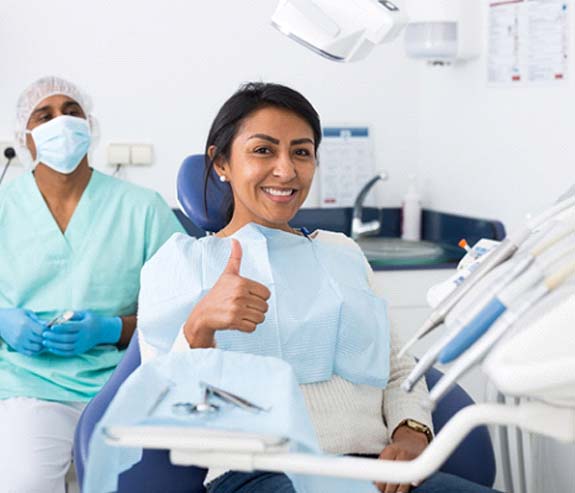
column 251, row 97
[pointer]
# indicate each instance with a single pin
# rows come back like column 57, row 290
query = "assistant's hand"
column 84, row 331
column 407, row 444
column 234, row 302
column 21, row 330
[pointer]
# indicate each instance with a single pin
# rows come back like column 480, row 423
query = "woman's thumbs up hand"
column 234, row 302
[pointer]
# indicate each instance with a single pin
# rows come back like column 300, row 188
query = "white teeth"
column 278, row 192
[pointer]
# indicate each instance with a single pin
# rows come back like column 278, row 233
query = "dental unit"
column 500, row 254
column 481, row 307
column 562, row 284
column 502, row 300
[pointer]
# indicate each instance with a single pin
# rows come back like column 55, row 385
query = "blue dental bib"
column 323, row 317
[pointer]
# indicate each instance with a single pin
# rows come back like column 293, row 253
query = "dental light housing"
column 340, row 30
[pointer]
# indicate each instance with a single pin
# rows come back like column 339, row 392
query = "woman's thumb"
column 233, row 266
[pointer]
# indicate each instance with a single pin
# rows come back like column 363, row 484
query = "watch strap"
column 417, row 426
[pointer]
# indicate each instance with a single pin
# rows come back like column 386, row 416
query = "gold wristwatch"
column 416, row 426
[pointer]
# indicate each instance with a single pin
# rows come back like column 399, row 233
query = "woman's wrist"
column 197, row 335
column 403, row 432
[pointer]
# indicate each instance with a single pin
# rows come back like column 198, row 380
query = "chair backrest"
column 191, row 179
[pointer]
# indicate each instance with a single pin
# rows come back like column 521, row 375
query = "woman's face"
column 46, row 110
column 271, row 167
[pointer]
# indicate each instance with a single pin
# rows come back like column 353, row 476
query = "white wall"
column 495, row 152
column 158, row 72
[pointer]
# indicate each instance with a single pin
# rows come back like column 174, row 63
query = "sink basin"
column 395, row 251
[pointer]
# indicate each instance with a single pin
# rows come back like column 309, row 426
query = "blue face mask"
column 61, row 143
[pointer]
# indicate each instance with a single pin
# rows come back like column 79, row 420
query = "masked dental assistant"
column 71, row 239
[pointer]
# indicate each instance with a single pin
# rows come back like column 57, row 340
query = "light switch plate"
column 141, row 155
column 118, row 154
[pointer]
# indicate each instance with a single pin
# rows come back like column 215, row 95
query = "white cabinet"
column 405, row 292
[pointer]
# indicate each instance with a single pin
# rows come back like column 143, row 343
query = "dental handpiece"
column 563, row 270
column 505, row 297
column 464, row 313
column 477, row 352
column 486, row 305
column 500, row 254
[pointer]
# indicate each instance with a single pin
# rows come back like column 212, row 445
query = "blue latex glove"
column 21, row 330
column 84, row 331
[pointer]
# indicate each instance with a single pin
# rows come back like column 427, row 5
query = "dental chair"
column 473, row 459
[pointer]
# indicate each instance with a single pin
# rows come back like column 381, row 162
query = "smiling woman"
column 270, row 173
column 260, row 287
column 264, row 141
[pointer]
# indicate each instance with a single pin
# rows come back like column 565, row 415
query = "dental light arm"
column 340, row 30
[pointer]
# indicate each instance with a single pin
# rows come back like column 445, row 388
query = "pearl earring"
column 222, row 178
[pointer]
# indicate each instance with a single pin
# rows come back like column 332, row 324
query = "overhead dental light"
column 340, row 30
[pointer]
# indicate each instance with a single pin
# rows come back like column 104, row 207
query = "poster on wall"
column 528, row 42
column 346, row 164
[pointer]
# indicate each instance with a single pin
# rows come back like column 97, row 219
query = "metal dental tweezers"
column 232, row 398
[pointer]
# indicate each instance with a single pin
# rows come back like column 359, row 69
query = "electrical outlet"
column 4, row 145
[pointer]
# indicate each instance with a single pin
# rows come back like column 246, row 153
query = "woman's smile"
column 280, row 194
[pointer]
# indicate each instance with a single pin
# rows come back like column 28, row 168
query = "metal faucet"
column 358, row 227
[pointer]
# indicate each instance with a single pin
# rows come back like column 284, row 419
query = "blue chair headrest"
column 191, row 194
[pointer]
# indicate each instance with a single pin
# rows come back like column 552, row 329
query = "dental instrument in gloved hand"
column 81, row 333
column 60, row 319
column 21, row 330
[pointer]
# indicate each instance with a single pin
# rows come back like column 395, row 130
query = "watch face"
column 388, row 5
column 419, row 427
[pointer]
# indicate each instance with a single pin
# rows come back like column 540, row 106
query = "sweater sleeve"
column 398, row 404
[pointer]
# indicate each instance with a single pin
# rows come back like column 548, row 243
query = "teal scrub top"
column 95, row 265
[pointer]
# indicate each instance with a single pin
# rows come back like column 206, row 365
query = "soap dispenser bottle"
column 411, row 213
